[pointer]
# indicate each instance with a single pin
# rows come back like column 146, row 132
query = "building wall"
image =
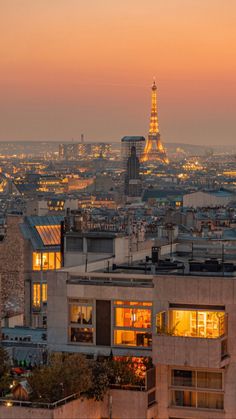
column 118, row 404
column 58, row 294
column 204, row 199
column 12, row 268
column 169, row 351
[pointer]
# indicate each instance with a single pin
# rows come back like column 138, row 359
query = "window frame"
column 82, row 302
column 195, row 389
column 57, row 258
column 142, row 305
column 197, row 311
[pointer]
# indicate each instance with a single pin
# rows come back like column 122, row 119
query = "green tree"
column 64, row 375
column 101, row 373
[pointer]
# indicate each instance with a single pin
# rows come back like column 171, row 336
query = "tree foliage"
column 65, row 374
column 101, row 373
column 68, row 374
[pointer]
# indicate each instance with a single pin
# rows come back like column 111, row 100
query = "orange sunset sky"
column 76, row 66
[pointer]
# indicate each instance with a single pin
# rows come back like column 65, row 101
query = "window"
column 39, row 294
column 183, row 378
column 44, row 293
column 36, row 296
column 83, row 335
column 133, row 323
column 81, row 314
column 205, row 389
column 36, row 261
column 46, row 260
column 194, row 323
column 81, row 321
column 50, row 235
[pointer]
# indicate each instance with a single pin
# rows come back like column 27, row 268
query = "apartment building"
column 186, row 324
column 30, row 247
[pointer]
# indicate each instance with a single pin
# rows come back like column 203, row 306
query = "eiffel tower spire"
column 154, row 125
column 154, row 150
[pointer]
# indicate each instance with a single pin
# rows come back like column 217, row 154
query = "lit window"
column 201, row 324
column 36, row 295
column 81, row 328
column 81, row 314
column 46, row 260
column 44, row 293
column 81, row 334
column 133, row 317
column 133, row 323
column 36, row 261
column 58, row 260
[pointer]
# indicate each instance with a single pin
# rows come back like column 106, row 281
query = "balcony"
column 189, row 351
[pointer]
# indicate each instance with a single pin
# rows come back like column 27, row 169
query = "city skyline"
column 74, row 68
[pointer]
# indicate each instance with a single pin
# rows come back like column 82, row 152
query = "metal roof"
column 43, row 231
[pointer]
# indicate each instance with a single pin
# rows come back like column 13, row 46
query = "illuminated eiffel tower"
column 154, row 150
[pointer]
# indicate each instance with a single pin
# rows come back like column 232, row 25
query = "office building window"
column 200, row 389
column 197, row 323
column 46, row 260
column 81, row 328
column 133, row 323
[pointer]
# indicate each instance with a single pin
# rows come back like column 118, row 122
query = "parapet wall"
column 122, row 404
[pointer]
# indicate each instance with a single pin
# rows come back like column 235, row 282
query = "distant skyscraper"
column 154, row 150
column 126, row 145
column 132, row 177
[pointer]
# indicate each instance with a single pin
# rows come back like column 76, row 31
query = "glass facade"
column 81, row 328
column 46, row 260
column 133, row 323
column 197, row 323
column 205, row 389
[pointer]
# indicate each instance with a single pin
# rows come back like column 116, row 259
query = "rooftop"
column 42, row 231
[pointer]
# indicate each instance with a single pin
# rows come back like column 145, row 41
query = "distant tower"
column 126, row 145
column 154, row 150
column 133, row 187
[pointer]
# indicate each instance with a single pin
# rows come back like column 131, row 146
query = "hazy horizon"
column 71, row 67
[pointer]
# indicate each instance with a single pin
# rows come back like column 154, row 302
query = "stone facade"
column 12, row 266
column 122, row 404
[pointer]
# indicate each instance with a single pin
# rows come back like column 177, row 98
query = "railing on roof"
column 39, row 405
column 124, row 281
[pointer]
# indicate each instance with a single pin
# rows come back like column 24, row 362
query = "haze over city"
column 87, row 67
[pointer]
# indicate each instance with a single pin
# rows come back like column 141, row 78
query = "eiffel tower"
column 154, row 150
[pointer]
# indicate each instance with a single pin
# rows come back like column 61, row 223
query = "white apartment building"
column 187, row 324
